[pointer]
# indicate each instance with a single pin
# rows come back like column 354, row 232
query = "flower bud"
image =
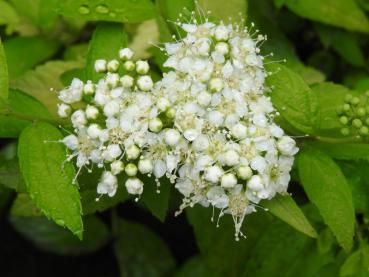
column 134, row 186
column 145, row 166
column 222, row 48
column 93, row 131
column 244, row 172
column 255, row 183
column 129, row 65
column 239, row 131
column 204, row 98
column 221, row 33
column 125, row 54
column 364, row 131
column 344, row 120
column 89, row 88
column 357, row 123
column 145, row 83
column 172, row 137
column 64, row 110
column 113, row 66
column 127, row 81
column 100, row 66
column 213, row 174
column 228, row 181
column 142, row 67
column 163, row 104
column 116, row 167
column 216, row 84
column 231, row 158
column 155, row 125
column 131, row 169
column 91, row 112
column 132, row 152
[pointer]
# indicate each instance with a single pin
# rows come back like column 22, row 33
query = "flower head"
column 207, row 125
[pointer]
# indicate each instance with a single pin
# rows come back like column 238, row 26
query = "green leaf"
column 325, row 241
column 285, row 208
column 330, row 97
column 18, row 51
column 328, row 189
column 24, row 207
column 223, row 254
column 4, row 82
column 93, row 202
column 10, row 175
column 49, row 177
column 48, row 236
column 8, row 16
column 344, row 43
column 18, row 112
column 6, row 195
column 341, row 13
column 195, row 267
column 352, row 264
column 171, row 9
column 41, row 13
column 357, row 177
column 236, row 9
column 275, row 251
column 140, row 252
column 264, row 16
column 105, row 33
column 112, row 10
column 157, row 203
column 293, row 98
column 42, row 79
column 343, row 151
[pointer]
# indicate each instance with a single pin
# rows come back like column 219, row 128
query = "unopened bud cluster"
column 354, row 116
column 207, row 125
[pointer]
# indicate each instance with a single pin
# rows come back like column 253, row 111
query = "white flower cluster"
column 207, row 125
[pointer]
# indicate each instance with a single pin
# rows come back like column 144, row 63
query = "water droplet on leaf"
column 60, row 222
column 103, row 9
column 112, row 15
column 84, row 9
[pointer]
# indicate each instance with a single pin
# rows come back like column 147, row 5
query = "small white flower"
column 228, row 181
column 112, row 66
column 145, row 166
column 216, row 84
column 217, row 197
column 108, row 184
column 145, row 83
column 127, row 81
column 132, row 152
column 134, row 186
column 213, row 174
column 112, row 152
column 255, row 183
column 71, row 142
column 91, row 112
column 172, row 137
column 155, row 125
column 125, row 54
column 116, row 167
column 78, row 119
column 221, row 33
column 287, row 146
column 100, row 65
column 244, row 172
column 94, row 131
column 64, row 110
column 142, row 67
